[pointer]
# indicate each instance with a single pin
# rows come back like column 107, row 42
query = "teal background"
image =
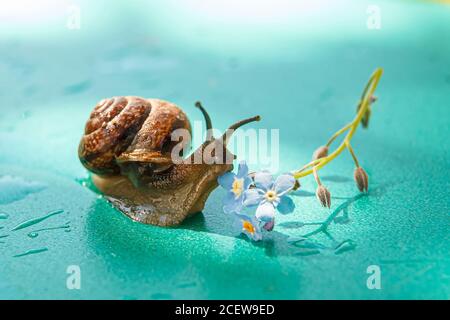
column 302, row 67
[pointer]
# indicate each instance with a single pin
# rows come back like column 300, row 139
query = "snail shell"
column 132, row 136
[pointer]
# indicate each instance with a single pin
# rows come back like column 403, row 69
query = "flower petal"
column 257, row 236
column 247, row 182
column 265, row 211
column 263, row 180
column 237, row 222
column 242, row 170
column 231, row 204
column 226, row 180
column 240, row 219
column 286, row 205
column 284, row 183
column 252, row 197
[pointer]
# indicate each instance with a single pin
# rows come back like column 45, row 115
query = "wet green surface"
column 303, row 73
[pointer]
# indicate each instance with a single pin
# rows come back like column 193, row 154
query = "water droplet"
column 78, row 87
column 31, row 222
column 16, row 188
column 35, row 233
column 345, row 246
column 32, row 251
column 3, row 216
column 26, row 114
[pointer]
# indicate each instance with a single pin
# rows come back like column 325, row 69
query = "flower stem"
column 351, row 128
column 349, row 147
column 338, row 133
column 316, row 176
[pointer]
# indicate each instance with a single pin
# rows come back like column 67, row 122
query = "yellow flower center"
column 271, row 195
column 237, row 187
column 246, row 225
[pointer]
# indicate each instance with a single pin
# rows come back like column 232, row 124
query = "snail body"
column 127, row 146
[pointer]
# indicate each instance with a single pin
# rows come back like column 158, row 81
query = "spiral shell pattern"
column 123, row 129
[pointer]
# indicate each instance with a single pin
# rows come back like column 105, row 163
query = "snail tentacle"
column 229, row 132
column 209, row 127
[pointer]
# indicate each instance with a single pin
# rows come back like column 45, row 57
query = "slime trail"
column 37, row 220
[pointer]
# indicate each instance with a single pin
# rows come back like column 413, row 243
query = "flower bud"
column 365, row 118
column 269, row 225
column 320, row 152
column 296, row 185
column 324, row 196
column 362, row 179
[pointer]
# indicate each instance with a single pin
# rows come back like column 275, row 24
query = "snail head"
column 214, row 150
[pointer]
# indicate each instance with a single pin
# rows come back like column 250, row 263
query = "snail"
column 127, row 146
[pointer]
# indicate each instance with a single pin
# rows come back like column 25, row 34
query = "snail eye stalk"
column 229, row 132
column 209, row 133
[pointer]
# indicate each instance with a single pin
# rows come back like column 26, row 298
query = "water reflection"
column 160, row 261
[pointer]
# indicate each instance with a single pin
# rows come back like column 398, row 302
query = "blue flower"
column 270, row 196
column 236, row 184
column 249, row 225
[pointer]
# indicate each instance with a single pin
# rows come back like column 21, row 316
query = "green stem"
column 337, row 134
column 351, row 127
column 349, row 147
